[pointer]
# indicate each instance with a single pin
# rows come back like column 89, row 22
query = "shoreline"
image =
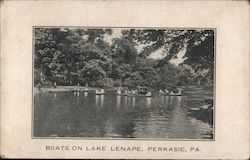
column 67, row 88
column 82, row 88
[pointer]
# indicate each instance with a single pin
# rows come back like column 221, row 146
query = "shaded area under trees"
column 71, row 55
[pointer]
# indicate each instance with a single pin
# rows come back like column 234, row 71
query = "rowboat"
column 194, row 109
column 85, row 89
column 118, row 92
column 99, row 92
column 149, row 94
column 163, row 92
column 175, row 94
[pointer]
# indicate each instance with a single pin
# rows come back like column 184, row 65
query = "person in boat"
column 177, row 94
column 171, row 93
column 99, row 91
column 119, row 91
column 126, row 92
column 166, row 91
column 102, row 90
column 148, row 94
column 136, row 91
column 129, row 91
column 160, row 91
column 133, row 91
column 179, row 91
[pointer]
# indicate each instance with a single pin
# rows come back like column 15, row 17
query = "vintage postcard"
column 110, row 80
column 123, row 83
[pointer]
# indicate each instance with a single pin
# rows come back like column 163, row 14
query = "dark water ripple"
column 68, row 114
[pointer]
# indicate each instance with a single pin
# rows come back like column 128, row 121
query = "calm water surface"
column 69, row 114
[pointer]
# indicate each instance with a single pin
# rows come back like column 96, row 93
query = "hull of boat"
column 174, row 94
column 168, row 94
column 80, row 90
column 135, row 95
column 99, row 94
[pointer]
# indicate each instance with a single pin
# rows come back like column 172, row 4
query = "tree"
column 71, row 51
column 199, row 46
column 175, row 40
column 75, row 55
column 124, row 50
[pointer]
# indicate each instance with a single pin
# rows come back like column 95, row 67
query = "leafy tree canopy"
column 83, row 55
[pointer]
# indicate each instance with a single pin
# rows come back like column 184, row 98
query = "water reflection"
column 86, row 94
column 129, row 102
column 65, row 114
column 118, row 101
column 178, row 101
column 99, row 100
column 171, row 100
column 126, row 100
column 133, row 102
column 167, row 100
column 77, row 94
column 148, row 101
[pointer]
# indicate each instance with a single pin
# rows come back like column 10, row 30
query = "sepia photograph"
column 123, row 83
column 124, row 79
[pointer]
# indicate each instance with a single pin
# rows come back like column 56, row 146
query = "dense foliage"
column 69, row 56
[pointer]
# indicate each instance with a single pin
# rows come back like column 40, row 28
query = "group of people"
column 132, row 92
column 167, row 92
column 85, row 88
column 163, row 91
column 127, row 91
column 147, row 92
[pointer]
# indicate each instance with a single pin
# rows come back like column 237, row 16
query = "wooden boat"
column 118, row 92
column 76, row 90
column 166, row 91
column 99, row 92
column 203, row 108
column 142, row 90
column 85, row 89
column 149, row 94
column 161, row 92
column 175, row 94
column 194, row 109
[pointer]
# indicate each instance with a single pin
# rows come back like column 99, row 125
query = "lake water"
column 69, row 114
